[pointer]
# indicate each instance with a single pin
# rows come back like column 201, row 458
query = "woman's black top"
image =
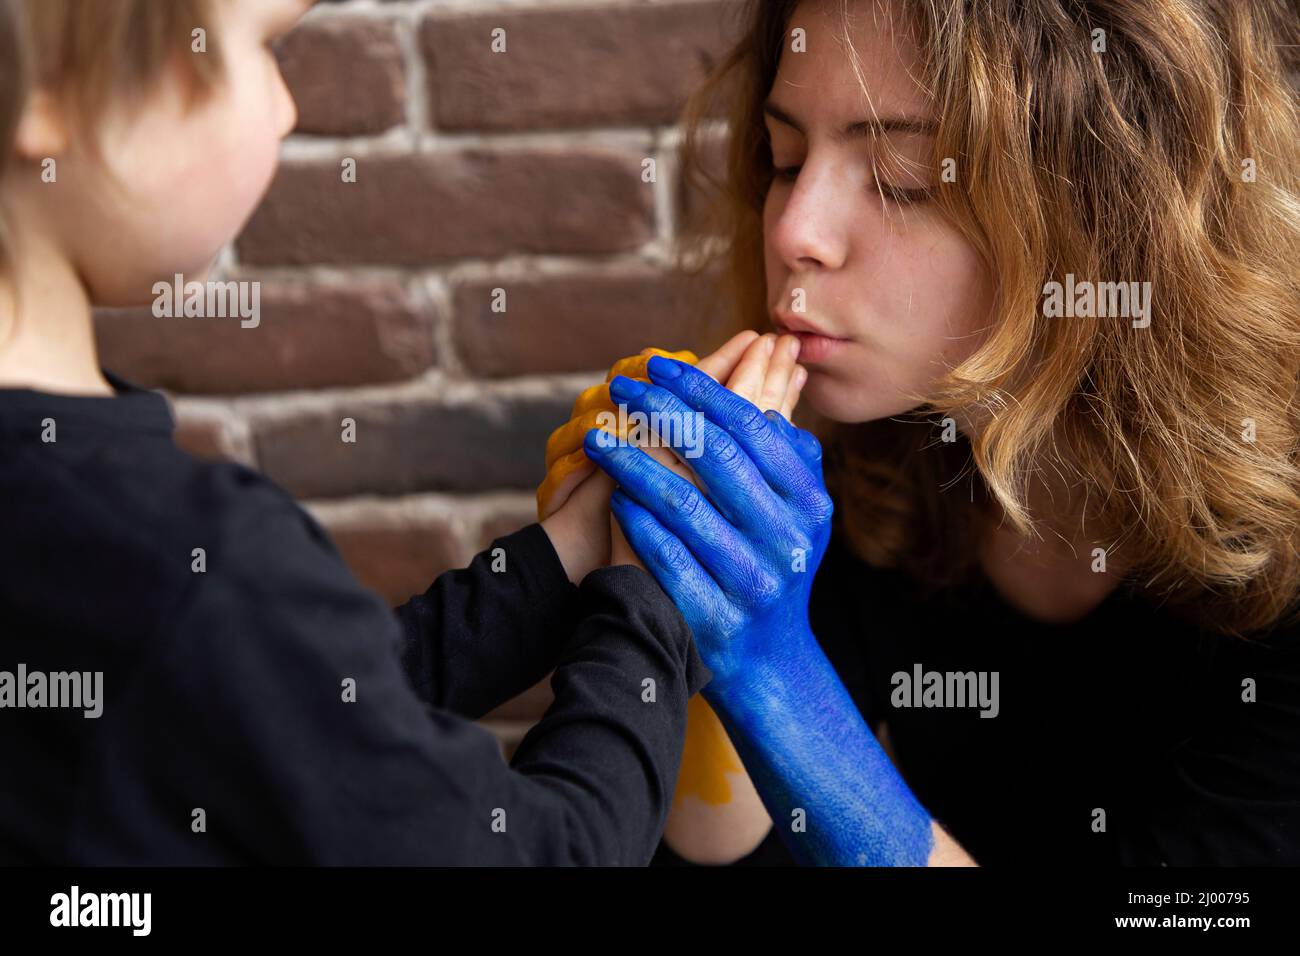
column 1127, row 737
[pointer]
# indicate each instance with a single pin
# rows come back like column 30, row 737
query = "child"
column 188, row 673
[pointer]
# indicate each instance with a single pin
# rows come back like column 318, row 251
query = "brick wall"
column 475, row 171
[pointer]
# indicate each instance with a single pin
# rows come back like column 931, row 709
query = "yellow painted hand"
column 566, row 463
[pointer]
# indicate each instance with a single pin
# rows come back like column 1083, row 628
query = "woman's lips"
column 814, row 347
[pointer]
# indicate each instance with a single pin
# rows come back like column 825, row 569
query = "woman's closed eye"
column 903, row 195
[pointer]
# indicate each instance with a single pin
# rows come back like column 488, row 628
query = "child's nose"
column 288, row 107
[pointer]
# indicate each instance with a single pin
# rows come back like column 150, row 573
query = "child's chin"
column 201, row 274
column 198, row 270
column 140, row 290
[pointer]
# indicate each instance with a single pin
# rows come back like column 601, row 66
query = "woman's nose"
column 809, row 232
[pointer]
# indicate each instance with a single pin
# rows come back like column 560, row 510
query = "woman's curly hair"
column 1173, row 156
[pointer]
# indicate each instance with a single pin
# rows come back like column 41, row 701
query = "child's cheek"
column 240, row 179
column 226, row 180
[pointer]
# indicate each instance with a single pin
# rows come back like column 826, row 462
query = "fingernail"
column 771, row 344
column 800, row 376
column 662, row 368
column 792, row 346
column 592, row 441
column 625, row 389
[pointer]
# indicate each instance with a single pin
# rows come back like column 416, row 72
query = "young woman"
column 1042, row 260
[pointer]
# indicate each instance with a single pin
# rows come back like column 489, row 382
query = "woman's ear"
column 42, row 129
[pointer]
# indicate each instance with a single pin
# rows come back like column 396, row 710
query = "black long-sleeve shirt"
column 1187, row 741
column 260, row 706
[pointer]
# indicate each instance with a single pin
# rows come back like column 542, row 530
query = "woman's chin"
column 840, row 402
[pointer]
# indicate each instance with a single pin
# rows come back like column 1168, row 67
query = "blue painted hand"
column 739, row 561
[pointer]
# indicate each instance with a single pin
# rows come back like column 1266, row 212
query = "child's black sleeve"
column 280, row 710
column 482, row 634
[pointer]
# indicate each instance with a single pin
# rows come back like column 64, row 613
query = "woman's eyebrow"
column 862, row 128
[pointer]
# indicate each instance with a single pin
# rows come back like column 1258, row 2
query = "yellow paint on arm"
column 707, row 757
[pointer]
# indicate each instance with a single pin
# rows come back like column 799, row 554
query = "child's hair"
column 13, row 94
column 87, row 52
column 1123, row 165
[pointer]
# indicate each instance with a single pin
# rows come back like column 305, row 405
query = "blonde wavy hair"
column 85, row 52
column 1127, row 164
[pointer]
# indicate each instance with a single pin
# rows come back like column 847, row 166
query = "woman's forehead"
column 846, row 69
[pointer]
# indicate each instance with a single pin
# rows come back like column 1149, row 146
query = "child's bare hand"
column 745, row 364
column 765, row 373
column 579, row 529
column 567, row 465
column 760, row 368
column 620, row 551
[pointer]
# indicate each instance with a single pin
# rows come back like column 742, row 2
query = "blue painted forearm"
column 831, row 790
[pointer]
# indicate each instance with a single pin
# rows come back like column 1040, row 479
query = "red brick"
column 346, row 75
column 410, row 210
column 580, row 323
column 506, row 521
column 206, row 437
column 311, row 335
column 572, row 67
column 399, row 562
column 465, row 445
column 699, row 194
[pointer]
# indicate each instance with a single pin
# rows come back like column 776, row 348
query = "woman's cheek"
column 967, row 300
column 938, row 296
